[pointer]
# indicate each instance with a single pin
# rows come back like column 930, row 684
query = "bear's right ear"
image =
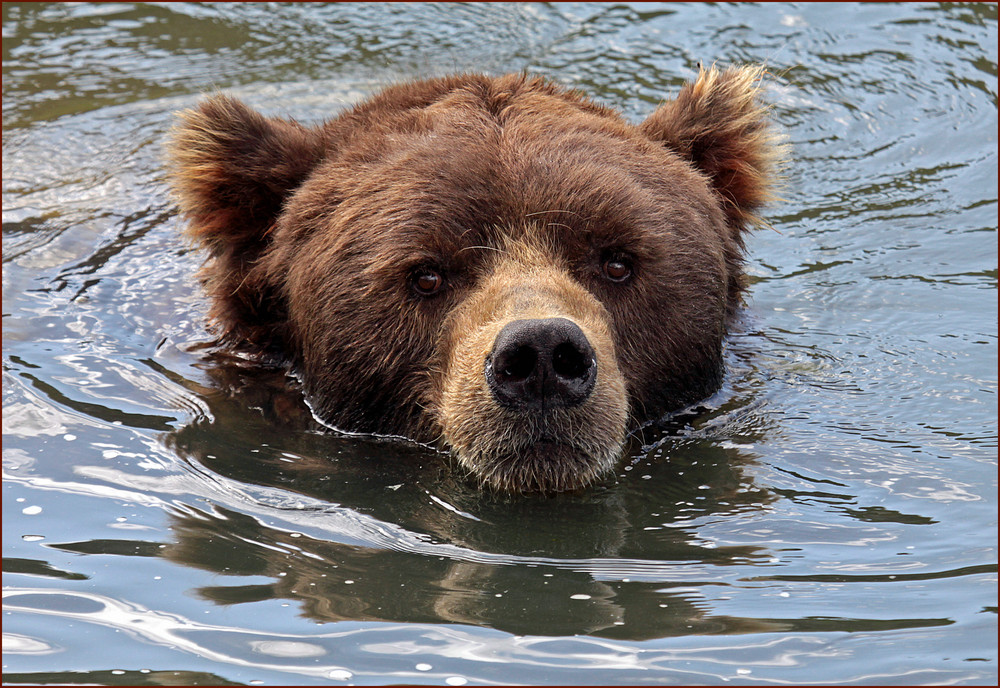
column 232, row 169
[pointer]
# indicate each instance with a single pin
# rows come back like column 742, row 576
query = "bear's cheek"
column 560, row 447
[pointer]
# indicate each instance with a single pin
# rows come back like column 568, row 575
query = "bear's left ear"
column 719, row 125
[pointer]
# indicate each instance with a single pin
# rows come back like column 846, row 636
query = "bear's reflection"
column 611, row 561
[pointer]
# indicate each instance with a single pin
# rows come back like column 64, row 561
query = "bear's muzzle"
column 532, row 398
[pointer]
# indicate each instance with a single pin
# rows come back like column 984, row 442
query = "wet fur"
column 513, row 188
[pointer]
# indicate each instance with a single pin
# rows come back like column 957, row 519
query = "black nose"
column 541, row 364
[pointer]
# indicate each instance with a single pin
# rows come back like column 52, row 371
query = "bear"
column 495, row 265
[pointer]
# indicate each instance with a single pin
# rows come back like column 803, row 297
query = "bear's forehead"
column 459, row 177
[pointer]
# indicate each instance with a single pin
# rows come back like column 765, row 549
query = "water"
column 829, row 517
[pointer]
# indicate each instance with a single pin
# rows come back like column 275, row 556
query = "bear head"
column 497, row 265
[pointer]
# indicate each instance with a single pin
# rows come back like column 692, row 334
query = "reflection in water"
column 338, row 582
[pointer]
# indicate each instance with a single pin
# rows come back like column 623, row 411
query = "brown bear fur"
column 383, row 252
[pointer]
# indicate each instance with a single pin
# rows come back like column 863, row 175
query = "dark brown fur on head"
column 384, row 251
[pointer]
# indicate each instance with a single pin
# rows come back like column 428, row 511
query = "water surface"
column 828, row 517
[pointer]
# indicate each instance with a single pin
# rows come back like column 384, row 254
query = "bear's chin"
column 542, row 467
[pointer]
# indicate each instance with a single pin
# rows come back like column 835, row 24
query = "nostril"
column 517, row 365
column 569, row 362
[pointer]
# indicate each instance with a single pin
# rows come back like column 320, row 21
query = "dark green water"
column 830, row 516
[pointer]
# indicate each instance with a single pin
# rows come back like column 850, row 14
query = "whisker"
column 487, row 248
column 554, row 210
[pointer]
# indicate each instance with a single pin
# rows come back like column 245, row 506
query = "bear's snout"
column 532, row 398
column 541, row 364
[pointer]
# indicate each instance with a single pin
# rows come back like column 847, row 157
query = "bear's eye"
column 427, row 282
column 617, row 268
